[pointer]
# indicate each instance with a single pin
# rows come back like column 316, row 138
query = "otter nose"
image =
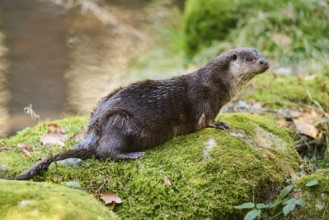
column 263, row 62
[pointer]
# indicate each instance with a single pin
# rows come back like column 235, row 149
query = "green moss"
column 323, row 187
column 206, row 182
column 316, row 197
column 284, row 91
column 31, row 137
column 28, row 200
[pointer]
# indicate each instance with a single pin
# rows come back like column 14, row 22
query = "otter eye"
column 234, row 57
column 249, row 59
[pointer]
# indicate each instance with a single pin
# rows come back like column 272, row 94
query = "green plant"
column 207, row 21
column 290, row 32
column 287, row 203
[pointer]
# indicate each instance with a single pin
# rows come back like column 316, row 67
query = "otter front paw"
column 219, row 125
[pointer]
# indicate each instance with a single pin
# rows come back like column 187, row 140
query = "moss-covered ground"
column 234, row 171
column 38, row 201
column 275, row 91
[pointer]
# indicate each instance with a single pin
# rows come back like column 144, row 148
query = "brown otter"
column 147, row 113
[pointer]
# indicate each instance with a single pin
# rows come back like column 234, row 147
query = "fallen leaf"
column 25, row 149
column 109, row 197
column 27, row 153
column 310, row 117
column 166, row 181
column 51, row 139
column 269, row 155
column 306, row 128
column 55, row 128
column 54, row 136
column 295, row 114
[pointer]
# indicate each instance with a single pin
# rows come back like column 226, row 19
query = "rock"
column 316, row 197
column 30, row 200
column 210, row 171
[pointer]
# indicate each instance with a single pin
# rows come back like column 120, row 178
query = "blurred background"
column 59, row 57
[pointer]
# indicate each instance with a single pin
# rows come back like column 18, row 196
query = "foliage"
column 288, row 204
column 288, row 32
column 314, row 190
column 206, row 21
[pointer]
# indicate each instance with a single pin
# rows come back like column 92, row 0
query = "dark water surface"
column 35, row 36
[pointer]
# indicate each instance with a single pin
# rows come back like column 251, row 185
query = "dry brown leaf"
column 311, row 117
column 27, row 153
column 51, row 139
column 109, row 197
column 269, row 155
column 306, row 128
column 25, row 149
column 55, row 128
column 166, row 181
column 54, row 136
column 295, row 114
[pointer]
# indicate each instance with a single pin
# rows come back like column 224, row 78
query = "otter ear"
column 234, row 57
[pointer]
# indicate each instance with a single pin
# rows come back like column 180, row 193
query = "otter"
column 148, row 113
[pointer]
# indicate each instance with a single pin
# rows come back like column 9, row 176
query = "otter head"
column 243, row 65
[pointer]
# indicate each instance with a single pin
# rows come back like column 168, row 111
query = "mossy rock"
column 210, row 171
column 30, row 200
column 316, row 197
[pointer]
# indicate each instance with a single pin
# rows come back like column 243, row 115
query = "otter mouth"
column 263, row 70
column 264, row 65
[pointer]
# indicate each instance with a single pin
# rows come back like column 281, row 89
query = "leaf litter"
column 54, row 136
column 26, row 149
column 110, row 199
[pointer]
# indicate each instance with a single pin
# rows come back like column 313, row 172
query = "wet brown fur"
column 148, row 113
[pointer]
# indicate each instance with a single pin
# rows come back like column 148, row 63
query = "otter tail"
column 82, row 153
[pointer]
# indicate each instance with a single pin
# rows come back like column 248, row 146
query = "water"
column 63, row 59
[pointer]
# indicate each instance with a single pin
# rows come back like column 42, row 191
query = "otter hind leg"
column 118, row 140
column 117, row 147
column 131, row 155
